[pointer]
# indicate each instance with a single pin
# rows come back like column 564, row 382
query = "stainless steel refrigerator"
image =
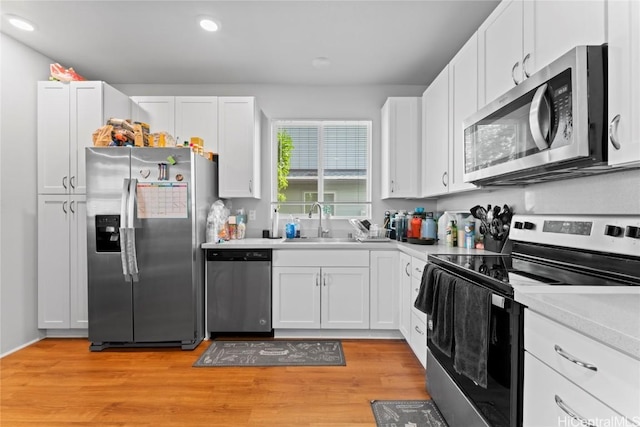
column 146, row 218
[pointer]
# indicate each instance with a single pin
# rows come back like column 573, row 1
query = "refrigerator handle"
column 131, row 241
column 123, row 229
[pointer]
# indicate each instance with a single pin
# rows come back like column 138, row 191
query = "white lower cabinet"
column 315, row 289
column 569, row 376
column 404, row 274
column 384, row 290
column 418, row 340
column 62, row 262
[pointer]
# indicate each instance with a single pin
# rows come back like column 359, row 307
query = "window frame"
column 321, row 123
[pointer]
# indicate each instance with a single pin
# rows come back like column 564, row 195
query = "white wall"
column 304, row 102
column 20, row 68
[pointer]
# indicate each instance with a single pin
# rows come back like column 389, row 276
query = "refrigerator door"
column 163, row 299
column 110, row 297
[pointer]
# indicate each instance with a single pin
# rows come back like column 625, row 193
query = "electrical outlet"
column 252, row 215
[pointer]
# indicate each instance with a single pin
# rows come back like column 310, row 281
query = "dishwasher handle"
column 239, row 254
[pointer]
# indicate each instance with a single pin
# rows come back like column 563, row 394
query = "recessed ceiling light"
column 208, row 24
column 20, row 23
column 321, row 62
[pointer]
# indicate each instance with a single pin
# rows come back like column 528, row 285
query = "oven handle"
column 572, row 413
column 572, row 359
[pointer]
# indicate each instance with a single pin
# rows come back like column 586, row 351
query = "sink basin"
column 321, row 240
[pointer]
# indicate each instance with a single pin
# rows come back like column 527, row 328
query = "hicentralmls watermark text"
column 599, row 422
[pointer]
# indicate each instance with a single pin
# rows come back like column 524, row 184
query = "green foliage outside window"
column 285, row 147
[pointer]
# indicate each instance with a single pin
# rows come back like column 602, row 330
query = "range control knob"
column 517, row 225
column 529, row 225
column 633, row 232
column 613, row 230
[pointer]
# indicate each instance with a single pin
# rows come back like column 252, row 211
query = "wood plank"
column 59, row 382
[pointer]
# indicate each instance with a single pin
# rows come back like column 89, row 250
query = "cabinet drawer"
column 546, row 392
column 614, row 377
column 418, row 341
column 320, row 258
column 417, row 265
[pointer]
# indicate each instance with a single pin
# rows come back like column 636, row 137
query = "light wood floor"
column 58, row 382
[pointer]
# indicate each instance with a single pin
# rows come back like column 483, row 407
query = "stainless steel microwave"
column 551, row 126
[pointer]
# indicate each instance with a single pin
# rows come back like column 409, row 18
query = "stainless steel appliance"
column 551, row 253
column 550, row 126
column 238, row 291
column 146, row 214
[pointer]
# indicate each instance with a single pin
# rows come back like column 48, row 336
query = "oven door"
column 463, row 402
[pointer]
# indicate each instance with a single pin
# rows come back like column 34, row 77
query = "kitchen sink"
column 322, row 240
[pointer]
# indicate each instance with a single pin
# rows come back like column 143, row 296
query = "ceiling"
column 259, row 42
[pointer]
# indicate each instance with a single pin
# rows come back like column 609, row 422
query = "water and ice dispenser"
column 108, row 233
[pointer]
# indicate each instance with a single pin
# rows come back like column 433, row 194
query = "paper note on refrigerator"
column 163, row 200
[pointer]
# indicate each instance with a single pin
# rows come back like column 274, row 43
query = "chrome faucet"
column 321, row 231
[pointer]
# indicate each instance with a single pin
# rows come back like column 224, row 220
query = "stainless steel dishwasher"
column 238, row 291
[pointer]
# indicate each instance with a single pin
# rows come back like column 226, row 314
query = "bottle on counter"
column 470, row 234
column 416, row 226
column 452, row 234
column 296, row 222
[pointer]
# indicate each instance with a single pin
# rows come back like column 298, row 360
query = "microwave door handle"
column 123, row 229
column 131, row 243
column 540, row 118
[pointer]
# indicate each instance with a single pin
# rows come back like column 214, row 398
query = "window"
column 325, row 162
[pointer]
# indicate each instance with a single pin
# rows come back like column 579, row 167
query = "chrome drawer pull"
column 572, row 359
column 583, row 421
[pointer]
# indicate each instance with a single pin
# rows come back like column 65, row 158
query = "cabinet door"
column 157, row 111
column 463, row 101
column 624, row 85
column 404, row 267
column 549, row 398
column 552, row 28
column 500, row 51
column 239, row 147
column 53, row 138
column 345, row 298
column 78, row 296
column 198, row 116
column 296, row 297
column 86, row 103
column 384, row 290
column 53, row 261
column 435, row 102
column 401, row 147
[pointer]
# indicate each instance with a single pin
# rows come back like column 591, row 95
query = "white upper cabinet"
column 435, row 128
column 156, row 111
column 400, row 139
column 624, row 83
column 239, row 147
column 521, row 37
column 463, row 101
column 68, row 114
column 197, row 116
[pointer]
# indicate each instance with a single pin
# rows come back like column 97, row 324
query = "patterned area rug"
column 396, row 413
column 273, row 353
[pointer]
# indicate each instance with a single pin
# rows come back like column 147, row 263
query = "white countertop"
column 609, row 315
column 418, row 251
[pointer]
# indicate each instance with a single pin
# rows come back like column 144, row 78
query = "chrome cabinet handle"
column 540, row 118
column 71, row 206
column 524, row 65
column 419, row 331
column 572, row 359
column 250, row 186
column 64, row 182
column 393, row 186
column 406, row 269
column 324, row 280
column 567, row 410
column 317, row 279
column 513, row 70
column 444, row 175
column 64, row 207
column 613, row 132
column 72, row 182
